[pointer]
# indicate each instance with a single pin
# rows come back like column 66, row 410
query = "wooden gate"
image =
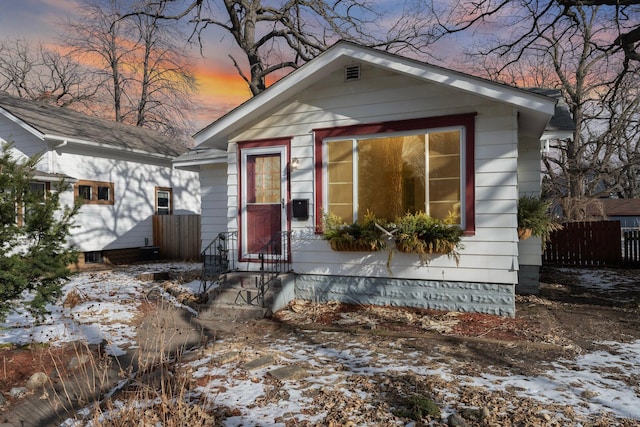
column 593, row 243
column 177, row 236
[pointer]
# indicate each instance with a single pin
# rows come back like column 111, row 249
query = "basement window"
column 93, row 257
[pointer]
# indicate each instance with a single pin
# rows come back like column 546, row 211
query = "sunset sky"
column 220, row 87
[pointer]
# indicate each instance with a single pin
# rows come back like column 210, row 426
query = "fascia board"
column 220, row 129
column 460, row 81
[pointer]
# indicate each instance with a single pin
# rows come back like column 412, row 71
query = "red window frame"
column 465, row 120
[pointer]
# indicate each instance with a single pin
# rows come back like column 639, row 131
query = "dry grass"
column 155, row 388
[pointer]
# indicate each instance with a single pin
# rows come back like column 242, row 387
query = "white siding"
column 128, row 222
column 489, row 256
column 25, row 143
column 213, row 185
column 529, row 184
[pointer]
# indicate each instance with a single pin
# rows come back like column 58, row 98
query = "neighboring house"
column 627, row 211
column 123, row 173
column 340, row 106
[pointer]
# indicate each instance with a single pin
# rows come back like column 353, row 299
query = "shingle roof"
column 561, row 119
column 621, row 207
column 63, row 122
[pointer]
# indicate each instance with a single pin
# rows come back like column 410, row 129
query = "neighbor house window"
column 93, row 257
column 164, row 201
column 95, row 192
column 393, row 168
column 38, row 193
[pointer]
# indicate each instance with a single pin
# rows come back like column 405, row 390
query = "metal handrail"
column 275, row 259
column 217, row 260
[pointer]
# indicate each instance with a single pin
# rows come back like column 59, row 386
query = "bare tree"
column 278, row 36
column 530, row 21
column 32, row 71
column 620, row 163
column 566, row 46
column 144, row 69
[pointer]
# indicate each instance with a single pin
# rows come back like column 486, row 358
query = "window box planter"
column 346, row 246
column 363, row 236
column 426, row 236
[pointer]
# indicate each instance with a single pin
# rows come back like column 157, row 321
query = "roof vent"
column 351, row 72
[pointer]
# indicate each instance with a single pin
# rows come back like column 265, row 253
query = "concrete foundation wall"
column 528, row 280
column 498, row 299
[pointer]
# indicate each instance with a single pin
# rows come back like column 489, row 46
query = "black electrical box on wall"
column 300, row 208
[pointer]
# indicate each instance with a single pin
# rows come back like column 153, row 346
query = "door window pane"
column 267, row 179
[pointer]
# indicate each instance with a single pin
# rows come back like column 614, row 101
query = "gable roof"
column 561, row 124
column 50, row 123
column 536, row 108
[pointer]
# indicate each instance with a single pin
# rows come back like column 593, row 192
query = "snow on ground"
column 105, row 304
column 107, row 301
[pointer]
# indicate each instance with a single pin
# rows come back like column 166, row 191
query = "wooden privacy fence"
column 593, row 243
column 632, row 248
column 177, row 236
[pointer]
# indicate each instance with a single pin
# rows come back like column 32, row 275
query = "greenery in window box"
column 534, row 219
column 362, row 236
column 427, row 236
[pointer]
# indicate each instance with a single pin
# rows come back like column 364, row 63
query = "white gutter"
column 66, row 141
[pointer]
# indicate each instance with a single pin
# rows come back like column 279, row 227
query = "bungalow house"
column 123, row 173
column 320, row 140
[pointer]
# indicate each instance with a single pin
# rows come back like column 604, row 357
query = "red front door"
column 264, row 198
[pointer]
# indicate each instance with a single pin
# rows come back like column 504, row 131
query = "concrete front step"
column 236, row 299
column 234, row 313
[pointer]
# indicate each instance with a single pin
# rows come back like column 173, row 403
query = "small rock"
column 37, row 380
column 456, row 420
column 16, row 392
column 475, row 414
column 258, row 363
column 289, row 372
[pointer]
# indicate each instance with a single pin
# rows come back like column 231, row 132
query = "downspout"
column 61, row 145
column 56, row 148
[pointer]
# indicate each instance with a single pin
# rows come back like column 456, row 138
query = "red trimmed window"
column 396, row 167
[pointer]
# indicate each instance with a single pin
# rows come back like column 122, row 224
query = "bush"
column 34, row 257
